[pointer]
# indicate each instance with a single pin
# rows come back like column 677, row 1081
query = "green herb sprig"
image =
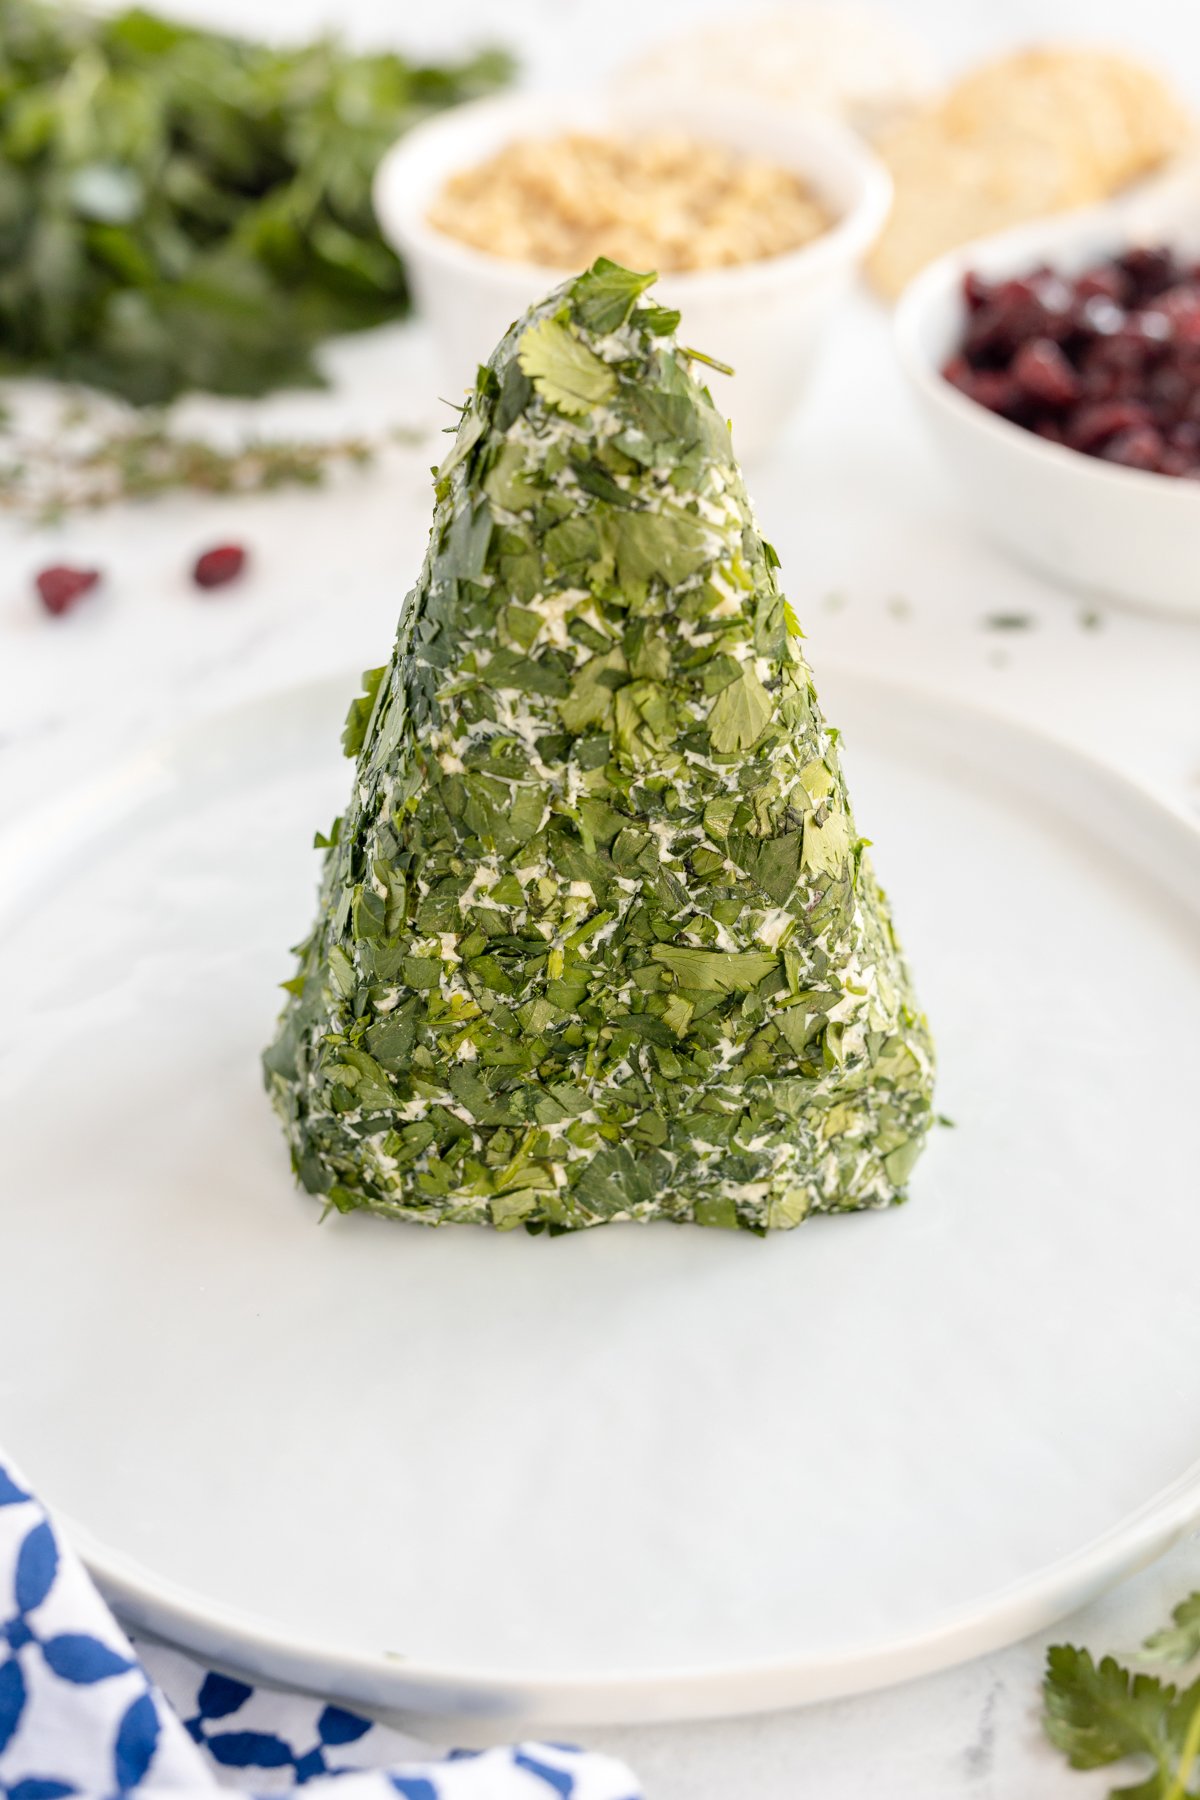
column 1103, row 1713
column 181, row 209
column 45, row 477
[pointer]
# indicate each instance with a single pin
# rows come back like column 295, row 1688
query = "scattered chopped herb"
column 46, row 477
column 185, row 209
column 899, row 607
column 834, row 602
column 1091, row 621
column 598, row 938
column 1009, row 621
column 1101, row 1713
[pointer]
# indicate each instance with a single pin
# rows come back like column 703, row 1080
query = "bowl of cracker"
column 1038, row 131
column 756, row 219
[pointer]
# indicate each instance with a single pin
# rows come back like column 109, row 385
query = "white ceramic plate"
column 645, row 1471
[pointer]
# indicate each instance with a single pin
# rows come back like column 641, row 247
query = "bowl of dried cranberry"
column 1058, row 367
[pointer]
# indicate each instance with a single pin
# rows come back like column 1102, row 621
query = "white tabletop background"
column 885, row 572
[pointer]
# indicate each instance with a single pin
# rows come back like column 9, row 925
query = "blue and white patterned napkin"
column 81, row 1713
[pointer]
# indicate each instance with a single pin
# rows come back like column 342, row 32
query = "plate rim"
column 415, row 1689
column 526, row 1698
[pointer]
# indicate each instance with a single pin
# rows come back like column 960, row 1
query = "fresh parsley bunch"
column 1102, row 1713
column 181, row 209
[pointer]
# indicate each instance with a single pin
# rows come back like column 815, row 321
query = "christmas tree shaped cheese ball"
column 598, row 939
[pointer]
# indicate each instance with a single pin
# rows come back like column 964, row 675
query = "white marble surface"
column 884, row 571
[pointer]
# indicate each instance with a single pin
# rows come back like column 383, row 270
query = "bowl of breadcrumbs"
column 756, row 220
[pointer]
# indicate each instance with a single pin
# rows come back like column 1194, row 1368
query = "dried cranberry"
column 1040, row 370
column 1099, row 383
column 1151, row 270
column 1185, row 324
column 1099, row 314
column 223, row 563
column 976, row 291
column 1126, row 350
column 992, row 388
column 1151, row 325
column 60, row 586
column 1179, row 304
column 1140, row 448
column 1093, row 425
column 1168, row 391
column 1104, row 282
column 1012, row 313
column 1055, row 296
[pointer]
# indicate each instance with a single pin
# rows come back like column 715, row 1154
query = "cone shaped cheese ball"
column 597, row 936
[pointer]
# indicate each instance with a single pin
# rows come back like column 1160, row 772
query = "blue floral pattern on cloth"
column 83, row 1712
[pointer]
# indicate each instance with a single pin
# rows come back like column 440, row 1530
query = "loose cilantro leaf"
column 1178, row 1642
column 740, row 714
column 562, row 368
column 597, row 937
column 1098, row 1714
column 603, row 297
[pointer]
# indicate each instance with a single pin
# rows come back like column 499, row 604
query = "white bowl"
column 764, row 318
column 1122, row 533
